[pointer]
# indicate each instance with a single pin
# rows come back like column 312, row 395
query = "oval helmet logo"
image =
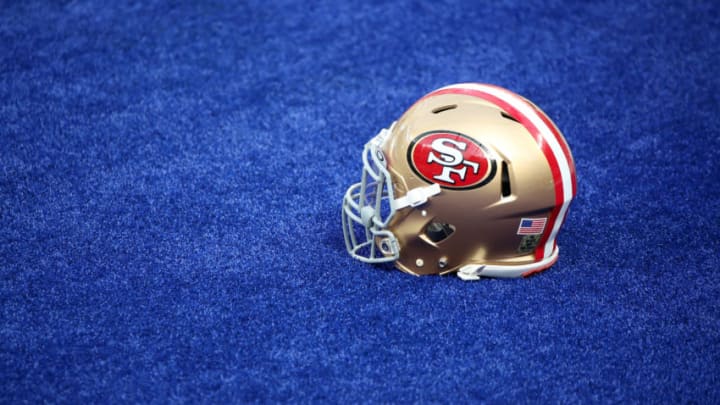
column 451, row 159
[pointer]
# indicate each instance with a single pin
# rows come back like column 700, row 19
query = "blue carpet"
column 170, row 187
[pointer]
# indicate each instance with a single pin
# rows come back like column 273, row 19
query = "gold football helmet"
column 472, row 179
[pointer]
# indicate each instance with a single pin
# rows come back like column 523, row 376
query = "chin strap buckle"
column 416, row 196
column 470, row 272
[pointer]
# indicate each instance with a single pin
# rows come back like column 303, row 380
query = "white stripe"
column 524, row 108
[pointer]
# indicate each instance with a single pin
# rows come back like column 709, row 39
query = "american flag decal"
column 531, row 226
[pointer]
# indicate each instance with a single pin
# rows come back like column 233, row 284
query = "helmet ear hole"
column 438, row 231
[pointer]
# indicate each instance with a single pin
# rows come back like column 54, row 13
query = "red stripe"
column 540, row 250
column 535, row 133
column 564, row 146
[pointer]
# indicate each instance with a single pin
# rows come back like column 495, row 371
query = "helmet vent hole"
column 508, row 116
column 438, row 231
column 505, row 183
column 444, row 108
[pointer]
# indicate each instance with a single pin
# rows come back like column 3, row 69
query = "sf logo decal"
column 449, row 153
column 451, row 159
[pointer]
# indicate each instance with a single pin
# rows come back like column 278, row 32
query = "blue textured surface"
column 170, row 186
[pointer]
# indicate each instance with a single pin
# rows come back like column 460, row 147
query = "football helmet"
column 472, row 179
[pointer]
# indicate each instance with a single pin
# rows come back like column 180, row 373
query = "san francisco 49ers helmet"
column 472, row 179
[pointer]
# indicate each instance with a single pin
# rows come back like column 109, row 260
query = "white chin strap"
column 475, row 271
column 416, row 197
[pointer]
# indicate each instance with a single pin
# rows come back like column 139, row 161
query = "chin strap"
column 470, row 273
column 416, row 196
